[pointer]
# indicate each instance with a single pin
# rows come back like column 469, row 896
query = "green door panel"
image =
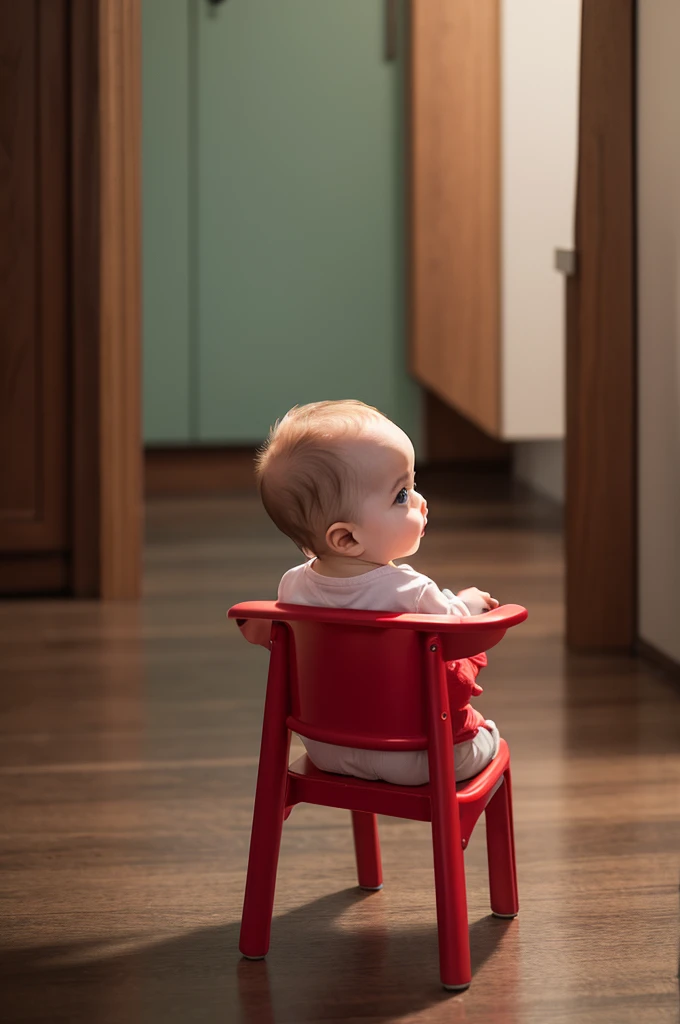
column 300, row 233
column 165, row 220
column 273, row 215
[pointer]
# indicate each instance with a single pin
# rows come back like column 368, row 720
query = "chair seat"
column 308, row 784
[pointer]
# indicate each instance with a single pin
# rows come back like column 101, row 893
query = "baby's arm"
column 256, row 631
column 477, row 601
column 433, row 601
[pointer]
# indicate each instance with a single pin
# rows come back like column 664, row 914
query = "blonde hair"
column 306, row 481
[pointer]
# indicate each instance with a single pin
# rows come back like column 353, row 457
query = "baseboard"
column 204, row 472
column 197, row 472
column 34, row 574
column 669, row 666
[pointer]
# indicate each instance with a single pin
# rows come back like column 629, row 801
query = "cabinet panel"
column 299, row 200
column 494, row 121
column 455, row 204
column 33, row 276
column 166, row 252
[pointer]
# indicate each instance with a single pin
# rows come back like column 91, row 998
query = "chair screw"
column 433, row 648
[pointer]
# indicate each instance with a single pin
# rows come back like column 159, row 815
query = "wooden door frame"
column 601, row 446
column 106, row 298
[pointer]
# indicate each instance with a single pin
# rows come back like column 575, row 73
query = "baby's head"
column 338, row 479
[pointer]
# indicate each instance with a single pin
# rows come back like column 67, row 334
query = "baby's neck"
column 339, row 567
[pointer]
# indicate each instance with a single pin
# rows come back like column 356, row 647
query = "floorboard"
column 128, row 755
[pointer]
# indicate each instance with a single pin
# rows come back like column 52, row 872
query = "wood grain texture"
column 35, row 574
column 601, row 344
column 213, row 471
column 454, row 171
column 33, row 277
column 669, row 667
column 85, row 298
column 450, row 437
column 128, row 753
column 18, row 308
column 120, row 323
column 106, row 105
column 173, row 472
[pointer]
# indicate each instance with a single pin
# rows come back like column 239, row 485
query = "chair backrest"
column 357, row 686
column 357, row 678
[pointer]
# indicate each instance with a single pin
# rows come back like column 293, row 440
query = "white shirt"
column 391, row 588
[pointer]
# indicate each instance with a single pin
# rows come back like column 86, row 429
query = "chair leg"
column 452, row 920
column 367, row 849
column 500, row 848
column 263, row 860
column 269, row 810
column 449, row 869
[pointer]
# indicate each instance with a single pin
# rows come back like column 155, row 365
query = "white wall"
column 540, row 46
column 659, row 323
column 540, row 464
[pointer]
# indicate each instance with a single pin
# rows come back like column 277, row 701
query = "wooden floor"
column 129, row 740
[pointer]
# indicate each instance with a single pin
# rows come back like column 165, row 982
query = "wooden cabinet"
column 70, row 510
column 494, row 108
column 34, row 534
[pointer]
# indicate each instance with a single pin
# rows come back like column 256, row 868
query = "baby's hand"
column 256, row 631
column 478, row 601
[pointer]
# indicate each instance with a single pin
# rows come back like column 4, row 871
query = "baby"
column 338, row 478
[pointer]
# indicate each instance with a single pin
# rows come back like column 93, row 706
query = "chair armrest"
column 504, row 617
column 460, row 637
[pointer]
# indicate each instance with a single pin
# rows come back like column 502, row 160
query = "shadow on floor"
column 376, row 973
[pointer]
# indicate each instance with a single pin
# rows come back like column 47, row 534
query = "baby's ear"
column 340, row 540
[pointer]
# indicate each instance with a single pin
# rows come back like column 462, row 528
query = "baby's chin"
column 412, row 550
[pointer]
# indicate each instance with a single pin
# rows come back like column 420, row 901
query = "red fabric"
column 461, row 680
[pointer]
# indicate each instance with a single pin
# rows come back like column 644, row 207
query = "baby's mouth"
column 424, row 527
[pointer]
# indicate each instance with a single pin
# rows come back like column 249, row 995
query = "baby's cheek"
column 415, row 526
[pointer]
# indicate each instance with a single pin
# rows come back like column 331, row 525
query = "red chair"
column 377, row 680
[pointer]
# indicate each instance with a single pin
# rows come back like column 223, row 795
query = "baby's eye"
column 402, row 497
